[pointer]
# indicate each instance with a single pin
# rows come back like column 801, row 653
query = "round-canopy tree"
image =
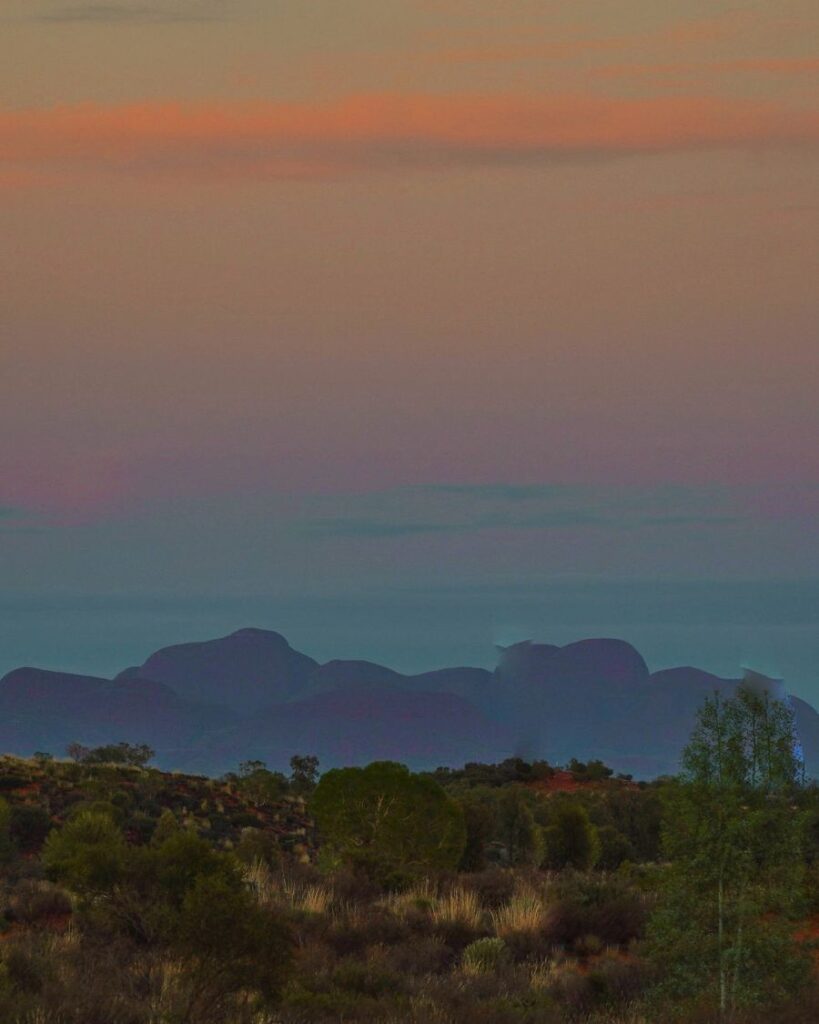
column 386, row 820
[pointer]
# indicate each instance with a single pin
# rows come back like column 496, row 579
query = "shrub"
column 25, row 968
column 228, row 944
column 493, row 886
column 617, row 979
column 484, row 956
column 571, row 987
column 257, row 845
column 135, row 755
column 366, row 978
column 421, row 955
column 387, row 821
column 6, row 845
column 413, row 906
column 34, row 900
column 603, row 906
column 570, row 839
column 352, row 933
column 521, row 838
column 614, row 848
column 87, row 854
column 588, row 945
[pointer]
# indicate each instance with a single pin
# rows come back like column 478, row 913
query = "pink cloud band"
column 269, row 140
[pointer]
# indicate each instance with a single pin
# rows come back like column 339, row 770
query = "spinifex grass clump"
column 523, row 914
column 457, row 908
column 484, row 956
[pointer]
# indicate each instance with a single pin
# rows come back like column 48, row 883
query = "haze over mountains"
column 207, row 706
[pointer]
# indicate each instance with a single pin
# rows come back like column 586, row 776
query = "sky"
column 409, row 328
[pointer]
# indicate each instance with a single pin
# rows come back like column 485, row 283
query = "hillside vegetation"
column 508, row 893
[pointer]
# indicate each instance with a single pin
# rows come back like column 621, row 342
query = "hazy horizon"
column 720, row 628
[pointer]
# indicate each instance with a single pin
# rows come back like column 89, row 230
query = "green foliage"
column 106, row 808
column 512, row 770
column 516, row 829
column 35, row 899
column 88, row 854
column 388, row 821
column 304, row 771
column 180, row 895
column 29, row 825
column 166, row 826
column 609, row 907
column 136, row 755
column 589, row 771
column 479, row 807
column 255, row 845
column 484, row 956
column 734, row 839
column 167, row 925
column 570, row 839
column 614, row 848
column 259, row 784
column 746, row 742
column 634, row 813
column 228, row 944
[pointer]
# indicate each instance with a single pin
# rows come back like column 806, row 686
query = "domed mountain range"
column 207, row 706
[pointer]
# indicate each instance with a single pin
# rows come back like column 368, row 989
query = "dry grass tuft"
column 459, row 907
column 273, row 891
column 524, row 913
column 422, row 896
column 313, row 899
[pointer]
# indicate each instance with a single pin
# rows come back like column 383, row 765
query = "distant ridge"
column 208, row 705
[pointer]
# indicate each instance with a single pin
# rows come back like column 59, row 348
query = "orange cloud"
column 796, row 66
column 268, row 140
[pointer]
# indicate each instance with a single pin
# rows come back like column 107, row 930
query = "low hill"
column 44, row 794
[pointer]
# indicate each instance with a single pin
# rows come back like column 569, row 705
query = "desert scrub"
column 277, row 890
column 605, row 906
column 35, row 900
column 458, row 907
column 484, row 956
column 419, row 900
column 524, row 913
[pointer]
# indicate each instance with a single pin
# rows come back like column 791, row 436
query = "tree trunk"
column 720, row 946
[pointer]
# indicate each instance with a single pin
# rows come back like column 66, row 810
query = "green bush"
column 484, row 956
column 570, row 838
column 387, row 822
column 88, row 854
column 615, row 848
column 29, row 825
column 606, row 907
column 33, row 900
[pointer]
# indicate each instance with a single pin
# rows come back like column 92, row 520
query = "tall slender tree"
column 733, row 837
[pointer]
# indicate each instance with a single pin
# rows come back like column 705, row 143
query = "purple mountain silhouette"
column 212, row 704
column 43, row 710
column 246, row 670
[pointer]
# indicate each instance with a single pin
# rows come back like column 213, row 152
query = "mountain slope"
column 44, row 710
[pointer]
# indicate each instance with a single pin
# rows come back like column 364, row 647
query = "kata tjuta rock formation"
column 207, row 706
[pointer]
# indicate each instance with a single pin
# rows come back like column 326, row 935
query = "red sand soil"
column 565, row 782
